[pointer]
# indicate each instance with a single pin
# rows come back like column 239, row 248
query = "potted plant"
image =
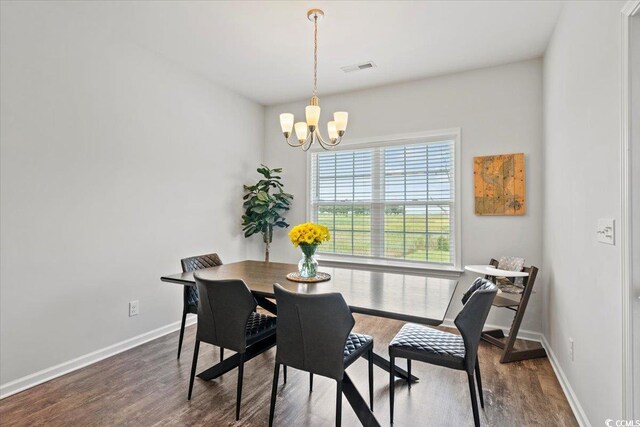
column 263, row 206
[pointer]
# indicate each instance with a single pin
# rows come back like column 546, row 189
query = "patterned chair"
column 227, row 318
column 190, row 297
column 436, row 347
column 314, row 335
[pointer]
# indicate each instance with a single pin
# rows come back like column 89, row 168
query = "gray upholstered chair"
column 190, row 296
column 227, row 318
column 314, row 335
column 429, row 345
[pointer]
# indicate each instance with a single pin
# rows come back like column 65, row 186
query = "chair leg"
column 274, row 390
column 284, row 373
column 338, row 403
column 221, row 354
column 310, row 382
column 479, row 382
column 409, row 373
column 370, row 357
column 184, row 320
column 474, row 401
column 193, row 367
column 239, row 391
column 392, row 382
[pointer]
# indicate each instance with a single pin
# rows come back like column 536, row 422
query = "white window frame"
column 453, row 134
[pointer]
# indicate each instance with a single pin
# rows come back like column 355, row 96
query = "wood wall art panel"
column 499, row 184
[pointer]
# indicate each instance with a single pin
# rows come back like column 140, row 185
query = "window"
column 392, row 200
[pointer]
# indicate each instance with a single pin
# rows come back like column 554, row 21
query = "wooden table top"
column 406, row 297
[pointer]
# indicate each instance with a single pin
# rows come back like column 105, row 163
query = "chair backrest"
column 223, row 312
column 471, row 318
column 199, row 262
column 478, row 283
column 312, row 331
column 192, row 264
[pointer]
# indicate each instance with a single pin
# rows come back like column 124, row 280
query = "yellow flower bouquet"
column 308, row 236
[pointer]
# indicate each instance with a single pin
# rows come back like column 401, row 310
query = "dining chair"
column 314, row 335
column 227, row 318
column 429, row 345
column 190, row 295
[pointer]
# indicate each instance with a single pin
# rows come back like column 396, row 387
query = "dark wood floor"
column 147, row 386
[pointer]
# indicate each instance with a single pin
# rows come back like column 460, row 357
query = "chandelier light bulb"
column 286, row 123
column 341, row 118
column 301, row 131
column 313, row 115
column 333, row 132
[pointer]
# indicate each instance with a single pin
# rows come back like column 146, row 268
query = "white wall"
column 498, row 109
column 582, row 184
column 115, row 164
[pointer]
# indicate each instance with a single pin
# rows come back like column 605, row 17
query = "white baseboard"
column 523, row 334
column 48, row 374
column 578, row 412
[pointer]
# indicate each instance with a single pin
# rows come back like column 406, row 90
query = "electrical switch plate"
column 606, row 231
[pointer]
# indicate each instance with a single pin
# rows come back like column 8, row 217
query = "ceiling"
column 264, row 49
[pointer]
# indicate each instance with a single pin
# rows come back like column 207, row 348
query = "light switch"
column 606, row 231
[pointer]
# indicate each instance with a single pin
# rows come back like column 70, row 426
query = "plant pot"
column 308, row 265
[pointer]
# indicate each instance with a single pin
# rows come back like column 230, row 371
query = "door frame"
column 630, row 9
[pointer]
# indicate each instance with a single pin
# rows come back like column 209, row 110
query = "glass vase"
column 308, row 265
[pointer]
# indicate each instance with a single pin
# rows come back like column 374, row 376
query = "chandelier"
column 307, row 132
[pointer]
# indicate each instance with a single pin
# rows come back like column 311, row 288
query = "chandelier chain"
column 315, row 55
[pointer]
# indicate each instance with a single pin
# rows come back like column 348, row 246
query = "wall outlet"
column 134, row 308
column 571, row 349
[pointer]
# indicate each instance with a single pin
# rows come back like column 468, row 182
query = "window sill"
column 388, row 266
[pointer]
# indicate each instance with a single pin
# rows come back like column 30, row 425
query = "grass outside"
column 412, row 237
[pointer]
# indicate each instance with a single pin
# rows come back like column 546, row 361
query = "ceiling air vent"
column 358, row 67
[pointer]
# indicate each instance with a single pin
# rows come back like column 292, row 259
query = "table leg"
column 358, row 404
column 234, row 361
column 383, row 363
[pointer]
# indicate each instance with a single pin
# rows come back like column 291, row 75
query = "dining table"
column 418, row 298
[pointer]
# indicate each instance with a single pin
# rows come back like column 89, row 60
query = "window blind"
column 392, row 202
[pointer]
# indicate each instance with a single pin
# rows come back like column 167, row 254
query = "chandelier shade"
column 307, row 132
column 286, row 122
